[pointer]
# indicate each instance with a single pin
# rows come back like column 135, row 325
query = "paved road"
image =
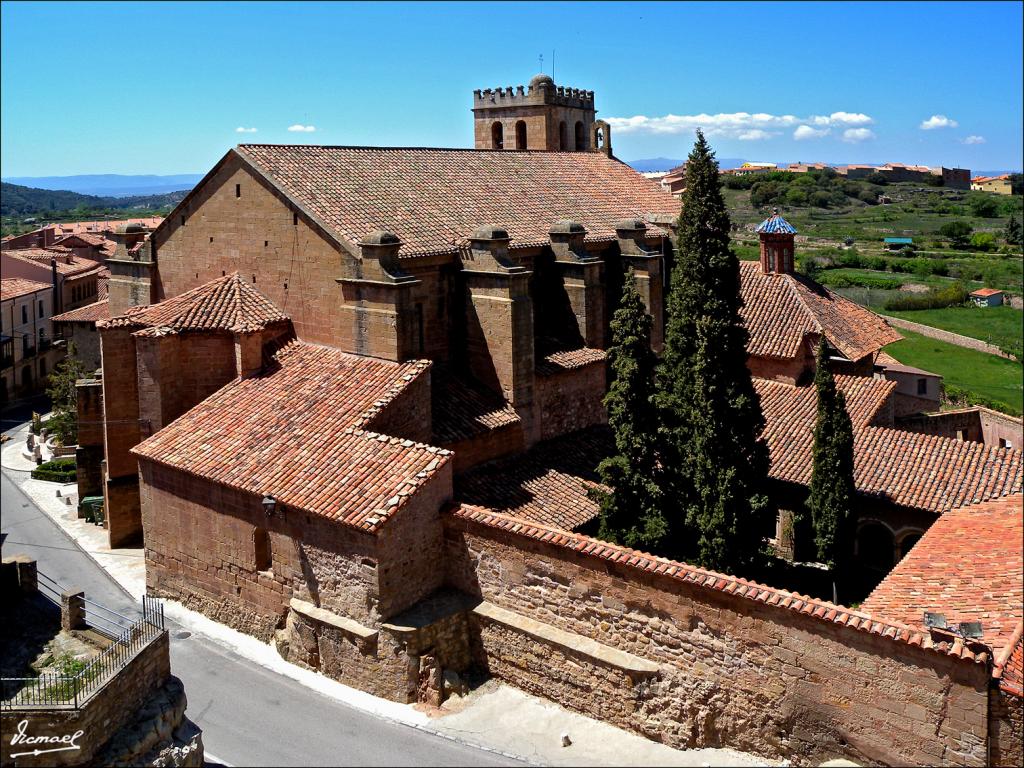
column 249, row 715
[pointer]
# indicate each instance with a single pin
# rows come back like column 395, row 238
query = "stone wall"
column 408, row 415
column 978, row 425
column 487, row 446
column 732, row 671
column 948, row 336
column 200, row 542
column 409, row 546
column 112, row 706
column 570, row 400
column 200, row 550
column 789, row 370
column 1006, row 728
column 268, row 241
column 87, row 343
column 178, row 371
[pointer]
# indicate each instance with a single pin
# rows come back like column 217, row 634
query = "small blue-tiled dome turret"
column 775, row 225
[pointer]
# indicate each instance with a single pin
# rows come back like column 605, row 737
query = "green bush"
column 983, row 206
column 56, row 471
column 937, row 298
column 860, row 281
column 983, row 241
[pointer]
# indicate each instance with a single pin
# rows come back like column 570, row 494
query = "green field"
column 1001, row 326
column 983, row 379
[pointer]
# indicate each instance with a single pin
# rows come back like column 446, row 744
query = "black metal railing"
column 73, row 689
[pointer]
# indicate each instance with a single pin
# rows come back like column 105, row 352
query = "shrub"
column 983, row 206
column 56, row 471
column 957, row 231
column 983, row 241
column 867, row 196
column 937, row 298
column 861, row 281
column 821, row 199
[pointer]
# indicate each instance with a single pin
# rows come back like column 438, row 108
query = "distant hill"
column 111, row 184
column 17, row 200
column 653, row 164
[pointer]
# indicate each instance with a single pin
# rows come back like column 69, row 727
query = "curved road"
column 249, row 715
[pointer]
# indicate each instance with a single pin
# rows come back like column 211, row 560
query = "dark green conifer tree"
column 714, row 460
column 832, row 488
column 630, row 512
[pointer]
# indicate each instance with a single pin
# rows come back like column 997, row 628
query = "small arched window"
column 563, row 136
column 599, row 138
column 581, row 140
column 497, row 136
column 521, row 134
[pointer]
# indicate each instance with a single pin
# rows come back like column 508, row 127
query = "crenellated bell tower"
column 541, row 116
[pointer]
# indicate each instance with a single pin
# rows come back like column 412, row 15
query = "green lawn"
column 984, row 379
column 1002, row 326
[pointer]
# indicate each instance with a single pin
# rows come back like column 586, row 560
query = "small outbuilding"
column 987, row 297
column 898, row 243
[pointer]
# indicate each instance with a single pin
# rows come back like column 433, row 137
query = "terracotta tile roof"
column 780, row 310
column 985, row 292
column 462, row 408
column 548, row 484
column 907, row 468
column 68, row 264
column 93, row 240
column 719, row 582
column 90, row 313
column 434, row 198
column 13, row 287
column 968, row 566
column 79, row 227
column 569, row 360
column 1009, row 668
column 295, row 432
column 227, row 303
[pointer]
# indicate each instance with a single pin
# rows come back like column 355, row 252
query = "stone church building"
column 351, row 403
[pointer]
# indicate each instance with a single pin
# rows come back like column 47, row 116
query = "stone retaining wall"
column 948, row 336
column 98, row 718
column 732, row 671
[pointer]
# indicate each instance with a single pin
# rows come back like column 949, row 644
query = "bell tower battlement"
column 541, row 116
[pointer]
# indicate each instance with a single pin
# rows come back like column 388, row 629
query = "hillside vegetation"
column 16, row 200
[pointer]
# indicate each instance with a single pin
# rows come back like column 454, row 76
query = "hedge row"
column 56, row 471
column 938, row 298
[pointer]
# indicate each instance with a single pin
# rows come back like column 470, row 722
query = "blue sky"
column 163, row 87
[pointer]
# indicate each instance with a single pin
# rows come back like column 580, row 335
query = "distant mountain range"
column 111, row 184
column 654, row 164
column 17, row 200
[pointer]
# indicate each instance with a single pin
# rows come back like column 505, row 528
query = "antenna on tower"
column 541, row 57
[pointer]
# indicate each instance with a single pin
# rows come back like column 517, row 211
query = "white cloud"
column 806, row 132
column 241, row 129
column 745, row 126
column 938, row 121
column 974, row 140
column 302, row 128
column 853, row 135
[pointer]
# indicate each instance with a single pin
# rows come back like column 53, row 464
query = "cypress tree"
column 630, row 513
column 714, row 459
column 832, row 487
column 1013, row 231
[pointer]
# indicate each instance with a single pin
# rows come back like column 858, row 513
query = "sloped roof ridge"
column 378, row 148
column 719, row 582
column 224, row 303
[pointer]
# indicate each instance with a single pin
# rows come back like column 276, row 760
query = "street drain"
column 182, row 635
